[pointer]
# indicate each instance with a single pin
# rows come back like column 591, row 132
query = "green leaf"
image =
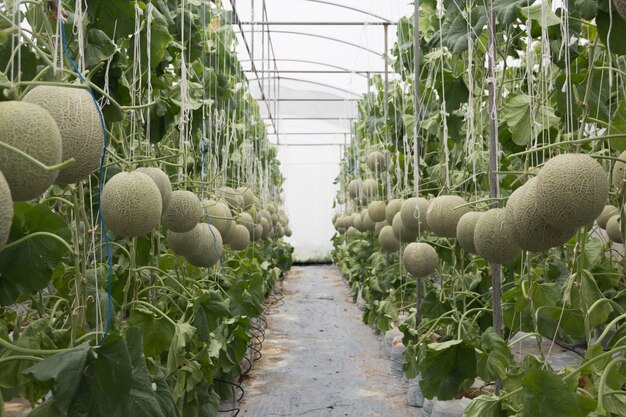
column 66, row 370
column 506, row 10
column 99, row 47
column 614, row 39
column 208, row 309
column 183, row 332
column 484, row 406
column 157, row 332
column 454, row 29
column 112, row 17
column 446, row 368
column 517, row 114
column 545, row 395
column 535, row 12
column 495, row 357
column 586, row 8
column 30, row 264
column 112, row 377
column 590, row 293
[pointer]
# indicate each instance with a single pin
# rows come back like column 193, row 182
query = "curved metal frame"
column 343, row 6
column 305, row 61
column 307, row 81
column 330, row 38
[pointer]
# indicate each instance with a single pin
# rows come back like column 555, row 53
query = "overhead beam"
column 310, row 82
column 338, row 100
column 318, row 23
column 314, row 118
column 318, row 72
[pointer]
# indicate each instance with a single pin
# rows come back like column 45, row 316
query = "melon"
column 393, row 207
column 370, row 188
column 465, row 230
column 280, row 231
column 420, row 259
column 614, row 229
column 493, row 238
column 219, row 215
column 376, row 161
column 618, row 171
column 530, row 231
column 207, row 248
column 368, row 224
column 78, row 120
column 377, row 211
column 6, row 211
column 354, row 187
column 387, row 240
column 248, row 196
column 233, row 198
column 358, row 224
column 608, row 212
column 246, row 220
column 31, row 129
column 131, row 204
column 271, row 208
column 288, row 231
column 378, row 227
column 413, row 214
column 572, row 190
column 257, row 233
column 265, row 225
column 341, row 230
column 183, row 212
column 353, row 233
column 239, row 238
column 401, row 233
column 283, row 219
column 162, row 182
column 442, row 217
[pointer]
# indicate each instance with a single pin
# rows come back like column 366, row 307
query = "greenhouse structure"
column 318, row 208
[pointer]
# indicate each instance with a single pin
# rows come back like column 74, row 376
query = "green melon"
column 420, row 259
column 376, row 161
column 377, row 210
column 257, row 233
column 493, row 238
column 78, row 120
column 442, row 217
column 183, row 212
column 239, row 238
column 234, row 200
column 354, row 187
column 219, row 215
column 265, row 225
column 368, row 224
column 413, row 214
column 618, row 171
column 6, row 211
column 370, row 188
column 393, row 207
column 271, row 208
column 248, row 196
column 208, row 247
column 252, row 211
column 131, row 204
column 465, row 230
column 387, row 240
column 378, row 227
column 401, row 233
column 162, row 181
column 283, row 219
column 358, row 224
column 280, row 231
column 245, row 219
column 353, row 233
column 288, row 231
column 608, row 212
column 572, row 190
column 530, row 231
column 31, row 129
column 614, row 229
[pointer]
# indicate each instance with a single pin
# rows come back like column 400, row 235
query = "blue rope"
column 100, row 182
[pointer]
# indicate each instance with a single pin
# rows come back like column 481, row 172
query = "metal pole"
column 416, row 142
column 386, row 98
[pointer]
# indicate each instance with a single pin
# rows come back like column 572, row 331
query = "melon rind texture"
column 613, row 229
column 413, row 213
column 387, row 240
column 493, row 238
column 608, row 212
column 394, row 206
column 183, row 212
column 239, row 237
column 420, row 259
column 465, row 230
column 441, row 216
column 401, row 233
column 163, row 183
column 376, row 210
column 6, row 211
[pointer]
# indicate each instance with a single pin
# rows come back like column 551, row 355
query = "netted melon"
column 271, row 208
column 265, row 225
column 234, row 200
column 78, row 121
column 493, row 238
column 341, row 230
column 279, row 231
column 368, row 223
column 183, row 212
column 370, row 188
column 6, row 211
column 239, row 238
column 248, row 196
column 376, row 210
column 387, row 240
column 444, row 214
column 401, row 233
column 618, row 171
column 131, row 204
column 465, row 230
column 257, row 233
column 376, row 161
column 572, row 190
column 530, row 230
column 283, row 219
column 288, row 231
column 162, row 182
column 208, row 247
column 393, row 207
column 413, row 213
column 219, row 215
column 608, row 212
column 353, row 233
column 614, row 229
column 358, row 224
column 420, row 259
column 245, row 219
column 378, row 227
column 354, row 187
column 31, row 129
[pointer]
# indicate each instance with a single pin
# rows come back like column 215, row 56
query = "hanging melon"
column 465, row 230
column 376, row 161
column 162, row 182
column 239, row 237
column 413, row 213
column 493, row 238
column 376, row 211
column 354, row 187
column 444, row 214
column 393, row 207
column 207, row 248
column 614, row 229
column 219, row 215
column 183, row 212
column 619, row 168
column 420, row 259
column 6, row 211
column 401, row 233
column 608, row 212
column 387, row 240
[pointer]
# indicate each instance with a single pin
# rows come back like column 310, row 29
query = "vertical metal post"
column 386, row 152
column 252, row 30
column 416, row 131
column 263, row 29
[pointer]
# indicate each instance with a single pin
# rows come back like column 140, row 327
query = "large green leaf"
column 183, row 332
column 454, row 29
column 617, row 27
column 545, row 395
column 517, row 114
column 484, row 406
column 506, row 10
column 446, row 368
column 494, row 357
column 157, row 332
column 208, row 310
column 99, row 47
